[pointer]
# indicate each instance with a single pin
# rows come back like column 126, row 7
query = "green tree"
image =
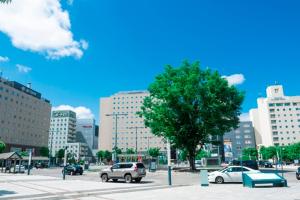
column 188, row 104
column 182, row 156
column 44, row 151
column 130, row 151
column 60, row 154
column 100, row 155
column 201, row 154
column 154, row 152
column 250, row 154
column 107, row 155
column 292, row 152
column 2, row 146
column 118, row 150
column 23, row 153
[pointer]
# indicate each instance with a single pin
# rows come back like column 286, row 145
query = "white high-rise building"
column 63, row 134
column 276, row 121
column 125, row 103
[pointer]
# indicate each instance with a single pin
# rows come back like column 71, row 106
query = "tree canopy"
column 130, row 151
column 2, row 146
column 188, row 104
column 154, row 152
column 44, row 151
column 250, row 154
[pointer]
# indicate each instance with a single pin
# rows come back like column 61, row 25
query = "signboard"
column 228, row 149
column 63, row 113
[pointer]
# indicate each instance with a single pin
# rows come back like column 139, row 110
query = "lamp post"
column 136, row 137
column 65, row 163
column 116, row 115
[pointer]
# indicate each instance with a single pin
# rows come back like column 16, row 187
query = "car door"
column 227, row 175
column 236, row 174
column 115, row 171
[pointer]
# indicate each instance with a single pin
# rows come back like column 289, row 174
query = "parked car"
column 268, row 165
column 198, row 163
column 128, row 171
column 247, row 163
column 298, row 173
column 230, row 174
column 19, row 169
column 40, row 165
column 73, row 170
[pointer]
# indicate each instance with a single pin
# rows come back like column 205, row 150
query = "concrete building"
column 236, row 140
column 63, row 134
column 85, row 133
column 24, row 117
column 128, row 137
column 276, row 121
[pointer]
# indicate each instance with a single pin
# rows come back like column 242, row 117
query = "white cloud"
column 40, row 26
column 23, row 68
column 81, row 111
column 4, row 59
column 244, row 117
column 235, row 79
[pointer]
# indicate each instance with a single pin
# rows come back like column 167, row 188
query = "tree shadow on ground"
column 6, row 192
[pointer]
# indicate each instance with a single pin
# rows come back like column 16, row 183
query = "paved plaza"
column 186, row 186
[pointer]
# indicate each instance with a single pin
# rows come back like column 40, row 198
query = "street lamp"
column 136, row 138
column 116, row 115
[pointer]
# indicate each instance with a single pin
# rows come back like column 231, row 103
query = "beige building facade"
column 276, row 120
column 128, row 136
column 24, row 117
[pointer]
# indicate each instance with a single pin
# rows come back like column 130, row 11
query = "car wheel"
column 138, row 180
column 128, row 178
column 115, row 180
column 219, row 180
column 104, row 178
column 81, row 173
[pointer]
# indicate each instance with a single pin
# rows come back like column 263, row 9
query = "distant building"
column 236, row 140
column 126, row 103
column 63, row 134
column 24, row 117
column 85, row 133
column 277, row 119
column 96, row 140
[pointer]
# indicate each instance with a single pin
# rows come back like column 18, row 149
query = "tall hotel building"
column 276, row 121
column 24, row 117
column 63, row 134
column 125, row 103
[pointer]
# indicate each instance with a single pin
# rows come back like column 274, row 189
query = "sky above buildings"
column 76, row 51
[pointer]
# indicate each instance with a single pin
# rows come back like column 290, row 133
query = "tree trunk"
column 191, row 158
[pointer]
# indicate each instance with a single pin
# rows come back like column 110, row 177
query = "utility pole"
column 50, row 150
column 136, row 137
column 29, row 161
column 65, row 163
column 169, row 162
column 116, row 115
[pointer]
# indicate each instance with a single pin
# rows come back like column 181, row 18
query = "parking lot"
column 158, row 178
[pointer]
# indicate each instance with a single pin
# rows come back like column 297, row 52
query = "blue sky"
column 111, row 45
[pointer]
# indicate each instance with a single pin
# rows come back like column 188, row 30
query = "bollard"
column 204, row 178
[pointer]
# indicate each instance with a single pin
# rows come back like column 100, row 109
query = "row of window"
column 284, row 104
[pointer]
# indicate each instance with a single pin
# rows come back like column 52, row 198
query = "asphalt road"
column 157, row 178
